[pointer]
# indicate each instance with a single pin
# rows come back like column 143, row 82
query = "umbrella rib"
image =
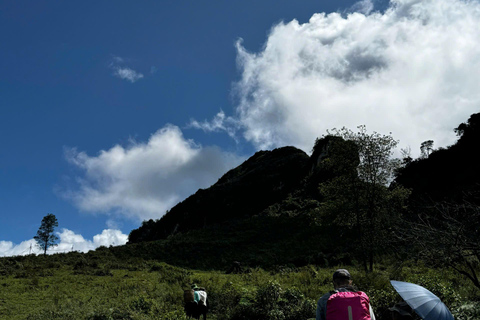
column 432, row 309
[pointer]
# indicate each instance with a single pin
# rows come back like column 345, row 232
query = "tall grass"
column 100, row 286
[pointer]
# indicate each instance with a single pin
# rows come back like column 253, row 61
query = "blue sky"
column 113, row 112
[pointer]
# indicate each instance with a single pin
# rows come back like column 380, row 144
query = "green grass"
column 99, row 286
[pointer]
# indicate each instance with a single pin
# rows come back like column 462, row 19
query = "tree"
column 448, row 235
column 45, row 237
column 363, row 199
column 406, row 156
column 426, row 147
column 377, row 165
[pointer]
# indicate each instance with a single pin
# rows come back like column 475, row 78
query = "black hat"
column 342, row 274
column 403, row 308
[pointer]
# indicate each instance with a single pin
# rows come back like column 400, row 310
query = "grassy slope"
column 100, row 286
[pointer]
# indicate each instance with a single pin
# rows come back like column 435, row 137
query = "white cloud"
column 120, row 70
column 363, row 6
column 219, row 123
column 110, row 237
column 68, row 241
column 8, row 248
column 412, row 70
column 144, row 180
column 127, row 74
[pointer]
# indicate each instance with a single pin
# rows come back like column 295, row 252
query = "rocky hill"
column 262, row 180
column 269, row 210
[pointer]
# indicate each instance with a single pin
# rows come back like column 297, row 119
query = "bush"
column 271, row 302
column 110, row 314
column 142, row 305
column 470, row 311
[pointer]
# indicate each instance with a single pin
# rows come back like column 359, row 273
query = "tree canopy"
column 45, row 235
column 360, row 199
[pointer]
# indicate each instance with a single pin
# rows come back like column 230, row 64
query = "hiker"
column 195, row 302
column 401, row 311
column 190, row 303
column 345, row 301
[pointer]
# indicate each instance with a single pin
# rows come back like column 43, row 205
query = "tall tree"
column 45, row 235
column 426, row 148
column 364, row 198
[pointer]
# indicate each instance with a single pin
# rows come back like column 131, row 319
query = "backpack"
column 348, row 306
column 189, row 296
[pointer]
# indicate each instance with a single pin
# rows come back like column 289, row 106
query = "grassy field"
column 99, row 286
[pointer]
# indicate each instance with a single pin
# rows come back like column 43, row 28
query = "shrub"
column 110, row 314
column 271, row 302
column 142, row 305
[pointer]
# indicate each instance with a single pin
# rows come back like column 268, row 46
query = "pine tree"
column 45, row 237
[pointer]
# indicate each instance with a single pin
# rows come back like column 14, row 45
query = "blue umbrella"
column 427, row 305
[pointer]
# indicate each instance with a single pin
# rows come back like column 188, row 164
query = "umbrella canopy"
column 427, row 305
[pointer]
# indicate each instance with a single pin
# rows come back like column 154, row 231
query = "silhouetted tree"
column 365, row 194
column 45, row 237
column 406, row 156
column 426, row 147
column 449, row 236
column 470, row 129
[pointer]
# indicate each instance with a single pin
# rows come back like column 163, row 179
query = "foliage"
column 357, row 201
column 377, row 165
column 141, row 289
column 447, row 173
column 45, row 237
column 448, row 236
column 426, row 148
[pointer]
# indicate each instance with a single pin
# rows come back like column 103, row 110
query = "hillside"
column 262, row 180
column 283, row 207
column 100, row 285
column 449, row 174
column 261, row 213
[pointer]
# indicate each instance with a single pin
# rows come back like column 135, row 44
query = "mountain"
column 259, row 213
column 269, row 211
column 265, row 178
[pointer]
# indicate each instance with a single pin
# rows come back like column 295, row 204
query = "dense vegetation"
column 101, row 285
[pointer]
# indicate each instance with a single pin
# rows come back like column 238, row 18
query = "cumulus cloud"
column 68, row 241
column 8, row 248
column 411, row 70
column 145, row 179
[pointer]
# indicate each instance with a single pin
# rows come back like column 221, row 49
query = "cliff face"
column 265, row 178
